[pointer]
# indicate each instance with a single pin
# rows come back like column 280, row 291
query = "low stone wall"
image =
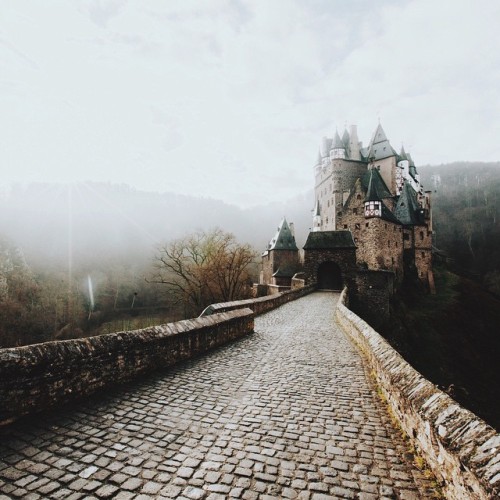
column 460, row 448
column 36, row 377
column 259, row 305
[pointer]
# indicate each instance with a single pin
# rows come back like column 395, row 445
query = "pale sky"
column 230, row 99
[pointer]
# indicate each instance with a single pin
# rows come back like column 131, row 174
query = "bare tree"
column 205, row 267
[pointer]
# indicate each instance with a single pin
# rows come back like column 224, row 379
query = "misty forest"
column 88, row 258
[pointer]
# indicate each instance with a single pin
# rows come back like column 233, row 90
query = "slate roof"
column 326, row 240
column 317, row 210
column 337, row 142
column 376, row 188
column 388, row 215
column 345, row 138
column 283, row 239
column 380, row 147
column 407, row 206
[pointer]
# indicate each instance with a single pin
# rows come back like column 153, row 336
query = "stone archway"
column 329, row 276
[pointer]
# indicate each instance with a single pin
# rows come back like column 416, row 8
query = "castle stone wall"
column 259, row 305
column 345, row 258
column 36, row 377
column 371, row 298
column 379, row 242
column 461, row 449
column 423, row 251
column 274, row 260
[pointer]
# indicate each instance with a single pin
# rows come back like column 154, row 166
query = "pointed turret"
column 316, row 217
column 402, row 153
column 338, row 147
column 319, row 160
column 380, row 147
column 345, row 138
column 284, row 238
column 407, row 208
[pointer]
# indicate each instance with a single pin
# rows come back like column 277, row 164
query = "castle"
column 372, row 221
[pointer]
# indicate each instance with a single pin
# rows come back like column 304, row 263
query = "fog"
column 86, row 224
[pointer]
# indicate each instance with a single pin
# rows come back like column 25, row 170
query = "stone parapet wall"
column 460, row 448
column 36, row 377
column 259, row 305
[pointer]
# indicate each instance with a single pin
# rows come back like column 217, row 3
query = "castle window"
column 421, row 235
column 355, row 211
column 358, row 197
column 345, row 226
column 396, row 244
column 373, row 209
column 339, row 214
column 357, row 226
column 388, row 244
column 423, row 255
column 367, row 224
column 406, row 237
column 385, row 226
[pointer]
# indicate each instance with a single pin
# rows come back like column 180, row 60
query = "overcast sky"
column 230, row 99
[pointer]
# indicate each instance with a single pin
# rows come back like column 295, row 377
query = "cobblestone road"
column 285, row 413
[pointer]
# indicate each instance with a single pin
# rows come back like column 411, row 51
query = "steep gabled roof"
column 379, row 146
column 388, row 215
column 376, row 188
column 407, row 206
column 283, row 239
column 325, row 240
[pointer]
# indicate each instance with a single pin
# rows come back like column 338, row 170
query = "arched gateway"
column 329, row 276
column 330, row 259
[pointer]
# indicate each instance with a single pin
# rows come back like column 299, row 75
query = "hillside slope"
column 453, row 339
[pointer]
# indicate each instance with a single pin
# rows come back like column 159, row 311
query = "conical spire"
column 283, row 239
column 372, row 193
column 378, row 135
column 319, row 160
column 345, row 138
column 407, row 206
column 377, row 189
column 379, row 145
column 316, row 212
column 403, row 154
column 337, row 141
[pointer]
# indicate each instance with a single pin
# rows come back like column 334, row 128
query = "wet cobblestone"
column 288, row 412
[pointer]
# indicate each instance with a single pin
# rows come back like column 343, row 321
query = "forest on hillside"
column 80, row 259
column 466, row 218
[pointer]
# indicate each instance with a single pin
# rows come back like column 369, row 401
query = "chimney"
column 354, row 143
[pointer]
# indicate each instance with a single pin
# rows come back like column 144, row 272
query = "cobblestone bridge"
column 288, row 412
